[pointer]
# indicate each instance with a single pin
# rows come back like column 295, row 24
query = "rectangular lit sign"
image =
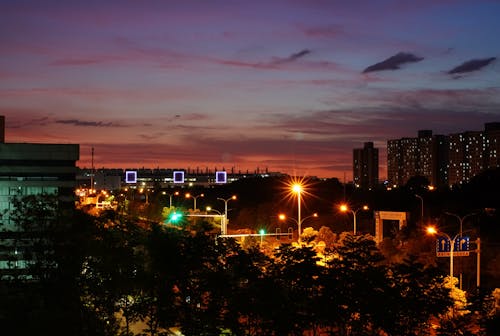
column 130, row 176
column 178, row 177
column 220, row 177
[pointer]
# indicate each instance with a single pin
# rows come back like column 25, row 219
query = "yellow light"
column 188, row 195
column 209, row 208
column 282, row 217
column 365, row 207
column 297, row 188
column 315, row 214
column 233, row 197
column 343, row 208
column 431, row 230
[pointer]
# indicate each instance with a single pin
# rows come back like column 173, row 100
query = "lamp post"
column 345, row 208
column 432, row 230
column 188, row 195
column 170, row 196
column 297, row 188
column 460, row 219
column 283, row 217
column 222, row 217
column 225, row 200
column 421, row 208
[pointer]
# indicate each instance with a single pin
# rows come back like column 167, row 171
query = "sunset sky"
column 288, row 85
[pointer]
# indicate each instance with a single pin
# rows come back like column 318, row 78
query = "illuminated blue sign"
column 220, row 177
column 178, row 176
column 130, row 176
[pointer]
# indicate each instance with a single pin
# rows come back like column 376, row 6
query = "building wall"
column 365, row 166
column 443, row 160
column 31, row 169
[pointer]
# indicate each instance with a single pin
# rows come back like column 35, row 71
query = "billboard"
column 178, row 176
column 130, row 176
column 220, row 177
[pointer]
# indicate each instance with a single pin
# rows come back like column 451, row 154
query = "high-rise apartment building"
column 30, row 169
column 365, row 166
column 421, row 156
column 443, row 160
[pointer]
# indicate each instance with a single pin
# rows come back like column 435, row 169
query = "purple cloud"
column 472, row 65
column 393, row 62
column 83, row 123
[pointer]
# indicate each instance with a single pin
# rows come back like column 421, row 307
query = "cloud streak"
column 394, row 62
column 86, row 123
column 471, row 66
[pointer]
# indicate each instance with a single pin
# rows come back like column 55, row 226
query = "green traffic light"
column 174, row 217
column 262, row 231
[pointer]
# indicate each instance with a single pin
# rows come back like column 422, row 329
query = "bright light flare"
column 297, row 188
column 431, row 230
column 282, row 217
column 344, row 208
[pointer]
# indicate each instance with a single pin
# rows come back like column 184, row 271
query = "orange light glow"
column 431, row 230
column 343, row 208
column 282, row 217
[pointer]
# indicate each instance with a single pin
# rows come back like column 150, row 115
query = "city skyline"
column 289, row 85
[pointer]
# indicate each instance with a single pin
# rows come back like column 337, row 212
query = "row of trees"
column 120, row 276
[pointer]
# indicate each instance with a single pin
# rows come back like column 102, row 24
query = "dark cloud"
column 84, row 123
column 292, row 57
column 394, row 62
column 472, row 65
column 298, row 55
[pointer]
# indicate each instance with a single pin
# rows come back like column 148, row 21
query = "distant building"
column 30, row 169
column 161, row 178
column 443, row 160
column 365, row 166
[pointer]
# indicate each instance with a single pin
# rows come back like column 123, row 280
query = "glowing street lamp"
column 188, row 195
column 225, row 200
column 297, row 188
column 433, row 231
column 345, row 208
column 171, row 195
column 283, row 217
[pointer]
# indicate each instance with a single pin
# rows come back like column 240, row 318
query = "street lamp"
column 225, row 200
column 146, row 193
column 188, row 195
column 433, row 231
column 220, row 215
column 171, row 195
column 282, row 217
column 345, row 208
column 421, row 208
column 460, row 219
column 297, row 188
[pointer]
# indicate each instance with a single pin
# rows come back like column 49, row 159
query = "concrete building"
column 365, row 166
column 30, row 169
